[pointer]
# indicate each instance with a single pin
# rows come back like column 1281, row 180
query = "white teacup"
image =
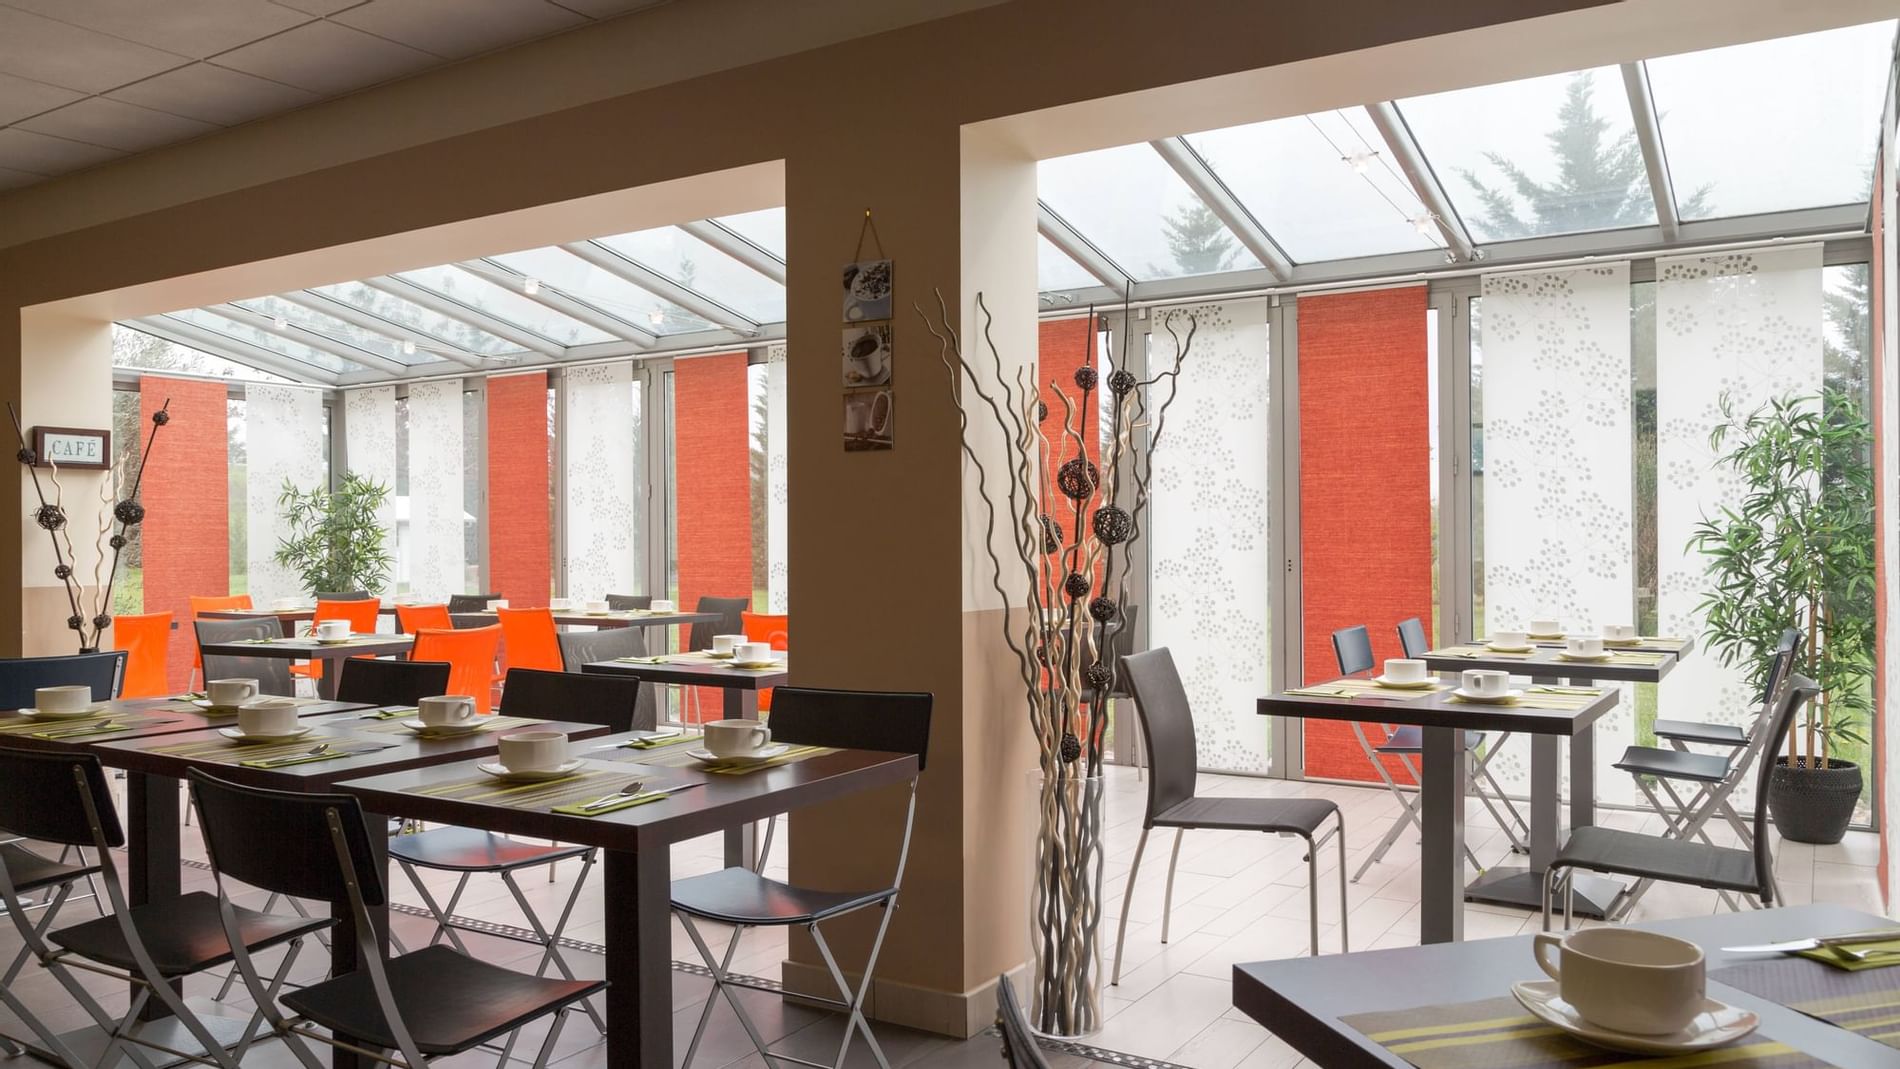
column 1546, row 627
column 63, row 700
column 736, row 738
column 333, row 630
column 1486, row 682
column 1584, row 645
column 595, row 606
column 532, row 751
column 1509, row 639
column 497, row 603
column 1404, row 670
column 726, row 643
column 446, row 710
column 1624, row 979
column 286, row 604
column 1619, row 632
column 228, row 693
column 268, row 716
column 752, row 652
column 663, row 605
column 558, row 604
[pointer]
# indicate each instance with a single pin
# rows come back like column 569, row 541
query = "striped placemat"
column 376, row 725
column 223, row 751
column 1478, row 651
column 82, row 727
column 1366, row 688
column 584, row 784
column 1498, row 1033
column 1866, row 1002
column 677, row 757
column 1533, row 700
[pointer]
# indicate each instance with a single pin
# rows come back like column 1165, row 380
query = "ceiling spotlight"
column 657, row 317
column 408, row 348
column 1360, row 161
column 531, row 286
column 1425, row 224
column 280, row 322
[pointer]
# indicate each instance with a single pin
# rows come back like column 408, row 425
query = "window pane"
column 1773, row 125
column 1132, row 205
column 765, row 228
column 569, row 274
column 415, row 317
column 1055, row 271
column 699, row 267
column 512, row 308
column 336, row 330
column 263, row 339
column 1551, row 155
column 133, row 348
column 1322, row 185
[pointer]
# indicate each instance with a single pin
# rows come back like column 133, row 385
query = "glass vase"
column 1064, row 999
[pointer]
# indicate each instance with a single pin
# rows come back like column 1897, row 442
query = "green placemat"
column 392, row 726
column 657, row 742
column 223, row 751
column 1535, row 701
column 1866, row 1002
column 1366, row 688
column 678, row 758
column 1476, row 652
column 92, row 726
column 583, row 785
column 1498, row 1033
column 1886, row 954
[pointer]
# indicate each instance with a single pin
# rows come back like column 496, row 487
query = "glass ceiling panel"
column 264, row 339
column 337, row 330
column 515, row 309
column 765, row 228
column 415, row 317
column 1550, row 155
column 134, row 348
column 1132, row 206
column 1774, row 125
column 699, row 267
column 1322, row 185
column 568, row 274
column 1055, row 271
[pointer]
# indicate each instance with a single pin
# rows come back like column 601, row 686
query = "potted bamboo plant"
column 336, row 539
column 1798, row 551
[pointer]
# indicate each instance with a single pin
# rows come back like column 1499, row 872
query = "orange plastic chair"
column 204, row 603
column 361, row 614
column 411, row 619
column 769, row 627
column 146, row 639
column 528, row 639
column 470, row 652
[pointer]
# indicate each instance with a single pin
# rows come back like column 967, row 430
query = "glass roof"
column 765, row 228
column 388, row 306
column 386, row 346
column 263, row 339
column 510, row 307
column 1055, row 271
column 571, row 276
column 1138, row 211
column 698, row 266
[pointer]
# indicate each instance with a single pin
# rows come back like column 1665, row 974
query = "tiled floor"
column 1238, row 897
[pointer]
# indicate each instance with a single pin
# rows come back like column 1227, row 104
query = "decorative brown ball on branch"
column 1099, row 675
column 1102, row 609
column 1051, row 534
column 1085, row 378
column 51, row 517
column 130, row 513
column 1076, row 585
column 1071, row 747
column 1120, row 381
column 75, row 622
column 116, row 541
column 27, row 456
column 161, row 417
column 63, row 571
column 1112, row 524
column 1077, row 479
column 102, row 621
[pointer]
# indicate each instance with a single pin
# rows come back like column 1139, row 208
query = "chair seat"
column 1709, row 734
column 450, row 1001
column 183, row 935
column 1674, row 764
column 1631, row 853
column 1302, row 816
column 469, row 850
column 740, row 896
column 30, row 871
column 1410, row 738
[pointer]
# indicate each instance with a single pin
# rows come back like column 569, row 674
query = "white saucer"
column 72, row 714
column 238, row 735
column 1532, row 634
column 597, row 612
column 756, row 664
column 764, row 754
column 1568, row 656
column 332, row 641
column 444, row 730
column 1509, row 649
column 504, row 773
column 722, row 655
column 1506, row 698
column 1416, row 684
column 1717, row 1024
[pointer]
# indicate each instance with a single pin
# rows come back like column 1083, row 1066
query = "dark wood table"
column 152, row 826
column 577, row 618
column 332, row 654
column 1441, row 797
column 1302, row 999
column 290, row 618
column 142, row 717
column 636, row 846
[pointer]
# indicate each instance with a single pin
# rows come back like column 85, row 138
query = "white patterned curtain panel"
column 438, row 516
column 1207, row 526
column 602, row 553
column 283, row 436
column 1558, row 530
column 1746, row 325
column 369, row 451
column 776, row 596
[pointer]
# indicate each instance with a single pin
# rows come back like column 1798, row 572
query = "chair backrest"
column 471, row 602
column 623, row 602
column 892, row 721
column 42, row 798
column 21, row 676
column 343, row 595
column 769, row 627
column 582, row 648
column 590, row 698
column 528, row 639
column 361, row 613
column 1412, row 637
column 1352, row 647
column 145, row 639
column 377, row 681
column 1167, row 727
column 281, row 841
column 728, row 623
column 1796, row 692
column 1019, row 1043
column 470, row 652
column 272, row 673
column 413, row 618
column 1790, row 643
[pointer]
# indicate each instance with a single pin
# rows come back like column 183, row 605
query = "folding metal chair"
column 870, row 720
column 433, row 1003
column 1413, row 643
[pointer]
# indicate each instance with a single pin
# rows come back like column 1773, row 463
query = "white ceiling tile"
column 114, row 124
column 317, row 7
column 20, row 98
column 59, row 54
column 606, row 9
column 196, row 28
column 213, row 94
column 23, row 150
column 10, row 179
column 457, row 28
column 326, row 58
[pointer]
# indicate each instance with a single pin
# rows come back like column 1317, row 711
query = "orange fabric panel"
column 185, row 543
column 1365, row 489
column 520, row 561
column 1063, row 346
column 470, row 652
column 712, row 467
column 146, row 639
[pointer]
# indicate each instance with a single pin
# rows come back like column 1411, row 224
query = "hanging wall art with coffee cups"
column 866, row 346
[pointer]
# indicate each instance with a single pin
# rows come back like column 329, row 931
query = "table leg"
column 1442, row 811
column 343, row 957
column 1583, row 778
column 152, row 850
column 742, row 848
column 326, row 685
column 639, row 959
column 1524, row 887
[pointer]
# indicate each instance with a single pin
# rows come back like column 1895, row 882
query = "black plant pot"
column 1813, row 805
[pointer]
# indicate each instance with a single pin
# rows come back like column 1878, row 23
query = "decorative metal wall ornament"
column 1060, row 640
column 51, row 516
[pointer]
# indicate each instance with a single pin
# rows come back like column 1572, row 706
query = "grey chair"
column 21, row 676
column 1414, row 644
column 382, row 681
column 624, row 602
column 1167, row 725
column 343, row 595
column 581, row 648
column 1748, row 871
column 470, row 602
column 1020, row 1050
column 730, row 622
column 272, row 673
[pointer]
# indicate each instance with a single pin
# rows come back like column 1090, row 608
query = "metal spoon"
column 632, row 791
